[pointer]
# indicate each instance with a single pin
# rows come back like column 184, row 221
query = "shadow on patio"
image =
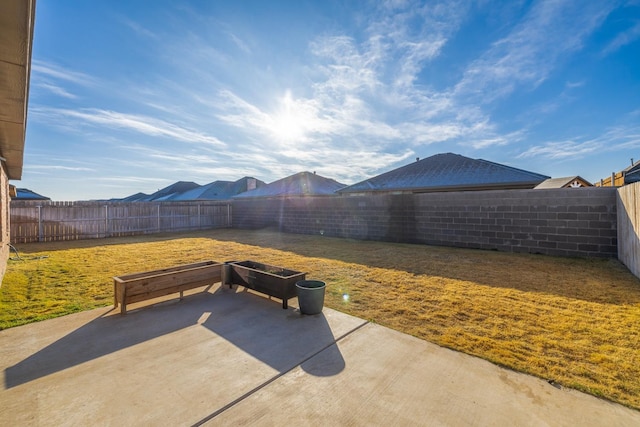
column 279, row 338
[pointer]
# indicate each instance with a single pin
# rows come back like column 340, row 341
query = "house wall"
column 4, row 220
column 565, row 222
column 628, row 208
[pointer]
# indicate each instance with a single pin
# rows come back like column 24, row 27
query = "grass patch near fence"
column 573, row 321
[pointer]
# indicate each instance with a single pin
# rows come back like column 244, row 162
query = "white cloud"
column 496, row 140
column 551, row 30
column 57, row 90
column 624, row 38
column 42, row 68
column 59, row 168
column 562, row 149
column 617, row 138
column 127, row 179
column 138, row 28
column 136, row 123
column 239, row 43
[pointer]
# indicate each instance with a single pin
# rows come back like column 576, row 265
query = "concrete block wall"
column 565, row 222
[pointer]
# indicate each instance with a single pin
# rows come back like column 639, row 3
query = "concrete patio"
column 230, row 357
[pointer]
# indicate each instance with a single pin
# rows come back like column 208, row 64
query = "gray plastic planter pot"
column 310, row 296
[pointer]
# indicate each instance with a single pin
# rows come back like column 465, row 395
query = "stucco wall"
column 565, row 222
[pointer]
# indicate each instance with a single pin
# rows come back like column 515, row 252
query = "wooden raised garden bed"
column 274, row 281
column 157, row 283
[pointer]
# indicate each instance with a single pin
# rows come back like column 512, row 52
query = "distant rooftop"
column 26, row 194
column 632, row 173
column 448, row 172
column 167, row 192
column 565, row 182
column 219, row 190
column 300, row 184
column 186, row 191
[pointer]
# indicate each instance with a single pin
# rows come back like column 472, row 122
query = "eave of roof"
column 16, row 39
column 443, row 188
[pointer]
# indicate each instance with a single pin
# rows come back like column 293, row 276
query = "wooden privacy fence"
column 617, row 178
column 629, row 226
column 45, row 221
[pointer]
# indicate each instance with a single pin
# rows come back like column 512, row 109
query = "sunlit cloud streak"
column 532, row 50
column 132, row 122
column 615, row 139
column 43, row 68
column 623, row 39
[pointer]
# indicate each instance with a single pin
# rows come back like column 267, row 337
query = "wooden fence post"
column 106, row 220
column 39, row 223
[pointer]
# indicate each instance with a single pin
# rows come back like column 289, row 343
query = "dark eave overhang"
column 438, row 189
column 17, row 19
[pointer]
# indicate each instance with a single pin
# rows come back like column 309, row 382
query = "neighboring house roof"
column 448, row 172
column 300, row 184
column 26, row 194
column 134, row 198
column 167, row 192
column 632, row 173
column 565, row 182
column 219, row 190
column 16, row 40
column 184, row 190
column 629, row 175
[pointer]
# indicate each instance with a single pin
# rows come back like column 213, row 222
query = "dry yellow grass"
column 573, row 321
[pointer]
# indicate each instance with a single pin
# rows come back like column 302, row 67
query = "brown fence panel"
column 628, row 225
column 24, row 222
column 43, row 221
column 618, row 180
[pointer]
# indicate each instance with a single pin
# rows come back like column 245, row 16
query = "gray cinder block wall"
column 565, row 222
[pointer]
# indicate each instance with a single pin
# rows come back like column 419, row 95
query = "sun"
column 288, row 127
column 289, row 123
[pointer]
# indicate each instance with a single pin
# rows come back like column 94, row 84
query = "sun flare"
column 289, row 123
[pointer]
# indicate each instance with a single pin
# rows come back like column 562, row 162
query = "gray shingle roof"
column 183, row 190
column 217, row 190
column 632, row 173
column 175, row 188
column 448, row 172
column 300, row 184
column 26, row 194
column 138, row 197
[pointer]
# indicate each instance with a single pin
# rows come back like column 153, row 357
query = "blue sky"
column 130, row 96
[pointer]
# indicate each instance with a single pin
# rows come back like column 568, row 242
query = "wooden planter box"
column 157, row 283
column 269, row 279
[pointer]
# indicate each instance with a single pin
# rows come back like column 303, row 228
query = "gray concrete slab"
column 233, row 358
column 390, row 378
column 171, row 364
